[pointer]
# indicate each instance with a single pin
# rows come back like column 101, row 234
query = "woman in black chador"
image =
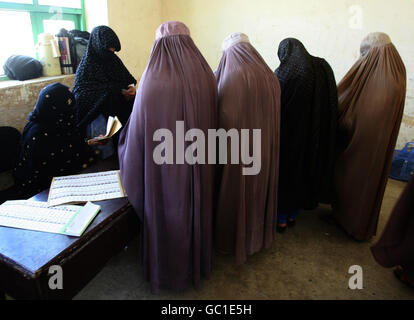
column 308, row 131
column 103, row 86
column 51, row 145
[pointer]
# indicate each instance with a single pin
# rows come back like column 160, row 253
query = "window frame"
column 38, row 13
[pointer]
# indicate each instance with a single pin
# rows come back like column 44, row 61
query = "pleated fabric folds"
column 249, row 98
column 174, row 202
column 371, row 106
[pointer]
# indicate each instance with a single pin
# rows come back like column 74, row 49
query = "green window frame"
column 39, row 13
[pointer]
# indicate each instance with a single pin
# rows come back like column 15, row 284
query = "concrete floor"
column 308, row 262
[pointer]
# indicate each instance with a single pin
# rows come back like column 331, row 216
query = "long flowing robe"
column 297, row 77
column 321, row 152
column 249, row 98
column 396, row 245
column 308, row 128
column 371, row 106
column 174, row 202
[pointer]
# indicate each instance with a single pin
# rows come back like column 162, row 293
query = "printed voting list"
column 86, row 187
column 38, row 216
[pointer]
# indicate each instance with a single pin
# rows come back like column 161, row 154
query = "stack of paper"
column 86, row 187
column 38, row 216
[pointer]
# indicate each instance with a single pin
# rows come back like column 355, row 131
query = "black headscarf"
column 51, row 143
column 100, row 78
column 308, row 127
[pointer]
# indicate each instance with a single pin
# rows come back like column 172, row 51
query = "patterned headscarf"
column 101, row 40
column 295, row 63
column 55, row 108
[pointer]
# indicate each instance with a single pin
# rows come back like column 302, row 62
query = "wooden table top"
column 32, row 252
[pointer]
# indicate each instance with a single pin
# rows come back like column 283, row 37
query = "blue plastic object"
column 402, row 167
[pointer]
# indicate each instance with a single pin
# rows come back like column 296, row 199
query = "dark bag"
column 78, row 41
column 402, row 167
column 22, row 68
column 79, row 45
column 80, row 34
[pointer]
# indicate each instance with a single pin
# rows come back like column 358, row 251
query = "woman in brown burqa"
column 371, row 105
column 174, row 201
column 249, row 98
column 396, row 246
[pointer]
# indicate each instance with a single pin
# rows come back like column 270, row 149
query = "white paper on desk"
column 86, row 187
column 38, row 216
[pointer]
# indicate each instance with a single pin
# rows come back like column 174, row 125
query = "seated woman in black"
column 51, row 144
column 103, row 86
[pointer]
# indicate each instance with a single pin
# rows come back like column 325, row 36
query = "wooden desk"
column 26, row 256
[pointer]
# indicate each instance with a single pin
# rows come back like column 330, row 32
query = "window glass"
column 15, row 40
column 62, row 3
column 21, row 21
column 19, row 1
column 53, row 26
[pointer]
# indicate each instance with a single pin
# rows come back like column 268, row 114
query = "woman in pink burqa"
column 249, row 98
column 174, row 201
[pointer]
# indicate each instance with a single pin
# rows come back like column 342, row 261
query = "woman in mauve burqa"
column 174, row 202
column 249, row 98
column 371, row 106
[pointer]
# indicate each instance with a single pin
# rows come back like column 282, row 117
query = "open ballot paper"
column 38, row 216
column 112, row 128
column 86, row 187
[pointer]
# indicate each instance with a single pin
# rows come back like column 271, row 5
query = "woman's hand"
column 95, row 142
column 130, row 93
